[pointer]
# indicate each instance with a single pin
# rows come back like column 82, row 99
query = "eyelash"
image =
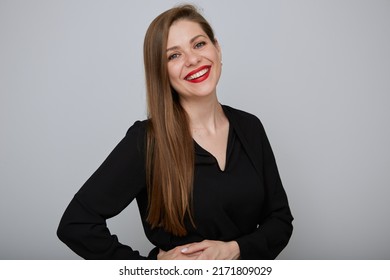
column 201, row 44
column 173, row 56
column 196, row 46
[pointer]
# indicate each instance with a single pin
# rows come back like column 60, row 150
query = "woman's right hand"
column 176, row 254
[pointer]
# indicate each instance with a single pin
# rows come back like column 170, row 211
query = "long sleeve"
column 275, row 224
column 119, row 179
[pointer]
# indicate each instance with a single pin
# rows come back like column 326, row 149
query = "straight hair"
column 169, row 143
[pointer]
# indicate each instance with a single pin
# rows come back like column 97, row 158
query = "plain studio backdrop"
column 317, row 73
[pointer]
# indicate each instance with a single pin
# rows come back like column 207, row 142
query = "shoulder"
column 241, row 118
column 138, row 127
column 136, row 134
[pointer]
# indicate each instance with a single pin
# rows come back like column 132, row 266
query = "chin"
column 202, row 93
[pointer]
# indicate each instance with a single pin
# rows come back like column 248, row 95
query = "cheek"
column 216, row 57
column 174, row 77
column 173, row 72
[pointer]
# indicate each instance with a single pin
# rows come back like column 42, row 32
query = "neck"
column 204, row 114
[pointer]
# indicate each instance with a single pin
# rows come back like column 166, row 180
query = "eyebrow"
column 191, row 41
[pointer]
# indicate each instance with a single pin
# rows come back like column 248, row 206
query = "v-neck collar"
column 202, row 156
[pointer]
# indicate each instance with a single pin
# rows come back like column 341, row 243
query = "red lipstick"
column 198, row 75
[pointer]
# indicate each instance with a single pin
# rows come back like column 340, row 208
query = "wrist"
column 234, row 250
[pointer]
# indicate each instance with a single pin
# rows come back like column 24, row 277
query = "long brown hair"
column 170, row 147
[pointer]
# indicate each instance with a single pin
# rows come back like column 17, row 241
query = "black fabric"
column 245, row 202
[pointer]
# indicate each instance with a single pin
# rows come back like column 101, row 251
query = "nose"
column 192, row 58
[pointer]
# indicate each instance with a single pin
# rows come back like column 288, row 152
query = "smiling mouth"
column 198, row 75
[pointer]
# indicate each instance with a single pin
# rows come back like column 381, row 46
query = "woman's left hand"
column 213, row 250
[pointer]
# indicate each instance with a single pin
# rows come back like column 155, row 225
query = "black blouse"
column 232, row 204
column 226, row 203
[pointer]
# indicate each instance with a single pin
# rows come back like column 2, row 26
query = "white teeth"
column 199, row 74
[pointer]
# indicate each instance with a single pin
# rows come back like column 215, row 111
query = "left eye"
column 199, row 45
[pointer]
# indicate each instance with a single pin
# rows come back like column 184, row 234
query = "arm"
column 105, row 194
column 275, row 226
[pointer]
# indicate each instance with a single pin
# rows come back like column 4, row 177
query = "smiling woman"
column 194, row 59
column 203, row 174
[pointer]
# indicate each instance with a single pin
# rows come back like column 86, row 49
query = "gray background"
column 317, row 73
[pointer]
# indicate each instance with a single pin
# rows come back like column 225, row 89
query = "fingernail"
column 184, row 250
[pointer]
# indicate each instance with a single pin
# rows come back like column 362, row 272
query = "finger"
column 206, row 255
column 195, row 247
column 202, row 257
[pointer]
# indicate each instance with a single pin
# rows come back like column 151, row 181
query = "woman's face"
column 194, row 61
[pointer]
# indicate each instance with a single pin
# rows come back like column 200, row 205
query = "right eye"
column 173, row 56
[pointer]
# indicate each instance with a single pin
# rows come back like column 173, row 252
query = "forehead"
column 182, row 31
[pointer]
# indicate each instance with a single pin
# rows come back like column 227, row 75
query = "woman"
column 203, row 174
